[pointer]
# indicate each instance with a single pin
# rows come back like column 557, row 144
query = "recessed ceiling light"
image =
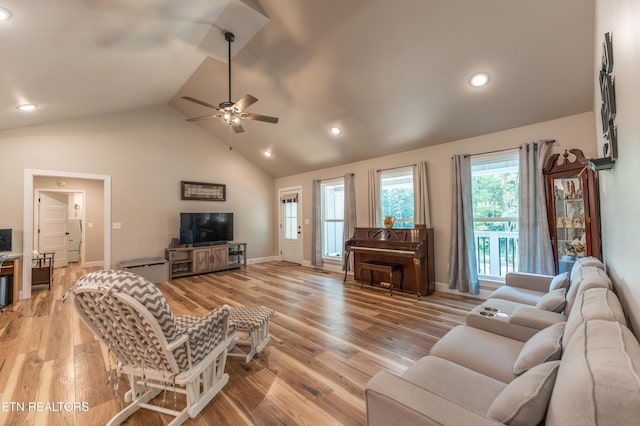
column 479, row 79
column 27, row 107
column 4, row 14
column 335, row 130
column 267, row 154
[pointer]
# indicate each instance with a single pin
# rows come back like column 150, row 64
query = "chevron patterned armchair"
column 157, row 351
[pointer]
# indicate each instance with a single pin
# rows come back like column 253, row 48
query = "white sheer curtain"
column 349, row 210
column 463, row 269
column 375, row 219
column 316, row 232
column 421, row 210
column 536, row 252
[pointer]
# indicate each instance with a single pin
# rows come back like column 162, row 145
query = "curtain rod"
column 337, row 177
column 398, row 167
column 502, row 150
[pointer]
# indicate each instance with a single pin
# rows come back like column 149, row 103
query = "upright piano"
column 410, row 248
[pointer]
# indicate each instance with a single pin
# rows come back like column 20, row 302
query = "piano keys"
column 410, row 248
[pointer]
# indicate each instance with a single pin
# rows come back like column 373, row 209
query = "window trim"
column 339, row 181
column 488, row 158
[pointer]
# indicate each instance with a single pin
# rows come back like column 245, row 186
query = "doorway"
column 29, row 216
column 290, row 220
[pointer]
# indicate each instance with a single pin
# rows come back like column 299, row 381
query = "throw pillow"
column 560, row 281
column 524, row 401
column 545, row 345
column 554, row 301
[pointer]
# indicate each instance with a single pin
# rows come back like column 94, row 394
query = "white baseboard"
column 97, row 263
column 262, row 259
column 444, row 287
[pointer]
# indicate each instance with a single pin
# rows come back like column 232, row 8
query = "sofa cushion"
column 560, row 281
column 588, row 262
column 586, row 278
column 478, row 350
column 544, row 346
column 598, row 381
column 469, row 389
column 595, row 303
column 517, row 294
column 524, row 401
column 553, row 301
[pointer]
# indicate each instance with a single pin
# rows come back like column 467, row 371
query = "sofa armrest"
column 531, row 317
column 529, row 281
column 393, row 400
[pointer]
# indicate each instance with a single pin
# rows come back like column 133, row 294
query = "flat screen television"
column 5, row 240
column 206, row 228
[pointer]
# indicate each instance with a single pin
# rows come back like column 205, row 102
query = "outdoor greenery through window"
column 332, row 218
column 396, row 196
column 495, row 194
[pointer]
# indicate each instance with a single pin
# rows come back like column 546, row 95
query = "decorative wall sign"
column 203, row 191
column 607, row 54
column 608, row 96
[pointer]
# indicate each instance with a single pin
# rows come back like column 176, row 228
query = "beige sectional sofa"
column 582, row 367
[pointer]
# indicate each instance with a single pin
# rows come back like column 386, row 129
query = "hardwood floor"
column 327, row 341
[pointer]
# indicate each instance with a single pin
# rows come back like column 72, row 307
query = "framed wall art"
column 203, row 191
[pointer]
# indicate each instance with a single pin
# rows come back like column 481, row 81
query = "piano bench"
column 380, row 266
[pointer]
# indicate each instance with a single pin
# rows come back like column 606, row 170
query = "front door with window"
column 290, row 240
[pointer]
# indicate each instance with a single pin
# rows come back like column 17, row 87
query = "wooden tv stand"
column 185, row 261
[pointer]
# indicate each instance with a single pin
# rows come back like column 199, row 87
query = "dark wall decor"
column 203, row 191
column 607, row 109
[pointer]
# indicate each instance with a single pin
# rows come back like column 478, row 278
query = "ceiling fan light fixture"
column 479, row 79
column 335, row 130
column 267, row 153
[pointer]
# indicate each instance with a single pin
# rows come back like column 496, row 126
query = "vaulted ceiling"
column 393, row 75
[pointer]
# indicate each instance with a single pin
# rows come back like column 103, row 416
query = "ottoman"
column 253, row 323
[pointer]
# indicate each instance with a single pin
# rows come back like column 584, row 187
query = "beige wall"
column 147, row 153
column 619, row 198
column 571, row 132
column 94, row 211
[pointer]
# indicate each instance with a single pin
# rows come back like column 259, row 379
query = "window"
column 290, row 215
column 495, row 193
column 291, row 220
column 396, row 196
column 332, row 218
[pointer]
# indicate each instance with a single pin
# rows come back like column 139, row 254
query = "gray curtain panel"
column 463, row 269
column 349, row 210
column 375, row 214
column 316, row 232
column 536, row 252
column 421, row 209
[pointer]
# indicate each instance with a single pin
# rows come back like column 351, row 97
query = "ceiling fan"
column 231, row 113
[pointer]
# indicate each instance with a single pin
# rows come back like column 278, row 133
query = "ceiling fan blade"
column 238, row 128
column 204, row 117
column 259, row 117
column 198, row 101
column 245, row 102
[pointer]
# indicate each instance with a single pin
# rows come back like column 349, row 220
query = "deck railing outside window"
column 496, row 249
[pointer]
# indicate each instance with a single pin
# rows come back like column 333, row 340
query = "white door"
column 290, row 224
column 52, row 226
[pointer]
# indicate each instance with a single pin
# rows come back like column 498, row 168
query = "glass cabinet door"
column 570, row 235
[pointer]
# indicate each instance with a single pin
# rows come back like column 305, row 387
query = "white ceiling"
column 393, row 74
